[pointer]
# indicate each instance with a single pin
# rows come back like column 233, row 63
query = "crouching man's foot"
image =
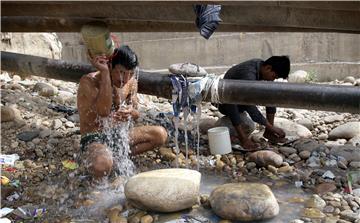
column 250, row 145
column 273, row 138
column 99, row 160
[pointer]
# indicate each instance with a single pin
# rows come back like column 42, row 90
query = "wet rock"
column 306, row 122
column 244, row 202
column 9, row 113
column 333, row 118
column 167, row 154
column 304, row 154
column 265, row 157
column 45, row 90
column 27, row 136
column 299, row 76
column 287, row 150
column 345, row 131
column 324, row 188
column 292, row 129
column 355, row 141
column 312, row 213
column 315, row 201
column 355, row 164
column 350, row 215
column 350, row 153
column 164, row 190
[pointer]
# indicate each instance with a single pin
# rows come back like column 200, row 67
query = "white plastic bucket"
column 219, row 140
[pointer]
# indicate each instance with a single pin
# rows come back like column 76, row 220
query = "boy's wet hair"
column 280, row 65
column 125, row 57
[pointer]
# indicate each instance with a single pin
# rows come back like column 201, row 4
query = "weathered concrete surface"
column 319, row 53
column 147, row 16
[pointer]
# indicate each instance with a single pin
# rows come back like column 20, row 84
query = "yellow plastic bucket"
column 96, row 36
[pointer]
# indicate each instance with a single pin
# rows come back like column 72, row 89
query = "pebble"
column 39, row 153
column 146, row 219
column 304, row 154
column 27, row 135
column 57, row 123
column 295, row 157
column 250, row 165
column 69, row 124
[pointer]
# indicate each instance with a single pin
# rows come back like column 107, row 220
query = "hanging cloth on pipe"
column 207, row 19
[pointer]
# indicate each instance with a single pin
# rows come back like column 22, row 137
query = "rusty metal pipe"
column 306, row 96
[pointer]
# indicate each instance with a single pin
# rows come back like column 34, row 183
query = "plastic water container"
column 96, row 36
column 219, row 140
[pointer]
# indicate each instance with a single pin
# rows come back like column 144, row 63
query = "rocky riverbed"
column 39, row 124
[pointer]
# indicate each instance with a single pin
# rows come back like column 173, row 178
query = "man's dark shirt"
column 248, row 70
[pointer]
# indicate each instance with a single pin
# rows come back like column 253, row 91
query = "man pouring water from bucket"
column 110, row 93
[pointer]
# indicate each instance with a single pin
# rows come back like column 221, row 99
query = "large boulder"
column 345, row 131
column 244, row 202
column 292, row 129
column 164, row 190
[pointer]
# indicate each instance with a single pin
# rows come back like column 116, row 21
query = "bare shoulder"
column 87, row 85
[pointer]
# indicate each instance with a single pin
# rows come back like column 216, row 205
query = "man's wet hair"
column 125, row 57
column 280, row 65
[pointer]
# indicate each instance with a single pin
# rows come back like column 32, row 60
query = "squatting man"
column 256, row 70
column 111, row 92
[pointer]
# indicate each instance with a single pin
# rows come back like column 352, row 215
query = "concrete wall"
column 322, row 53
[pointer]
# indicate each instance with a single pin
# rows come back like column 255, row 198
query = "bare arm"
column 103, row 100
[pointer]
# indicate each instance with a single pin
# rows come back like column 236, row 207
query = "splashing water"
column 176, row 125
column 186, row 114
column 197, row 123
column 117, row 137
